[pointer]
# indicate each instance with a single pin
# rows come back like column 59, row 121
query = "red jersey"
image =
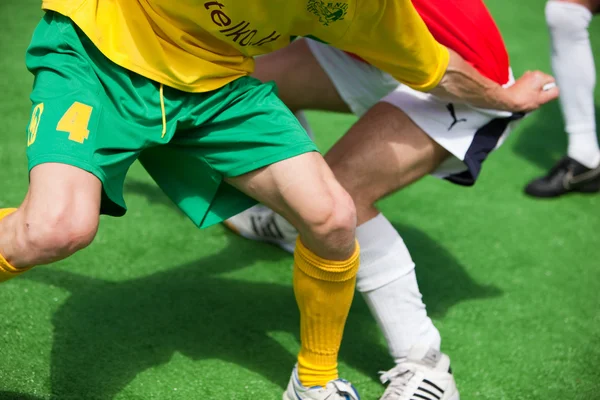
column 467, row 27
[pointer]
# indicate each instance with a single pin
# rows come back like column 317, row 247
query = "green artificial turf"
column 156, row 309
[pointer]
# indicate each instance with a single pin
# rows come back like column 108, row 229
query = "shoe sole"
column 590, row 189
column 454, row 391
column 284, row 246
column 554, row 196
column 587, row 188
column 455, row 396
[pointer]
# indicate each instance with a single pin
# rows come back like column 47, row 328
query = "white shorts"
column 468, row 133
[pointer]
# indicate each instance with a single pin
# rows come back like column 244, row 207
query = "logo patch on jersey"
column 327, row 12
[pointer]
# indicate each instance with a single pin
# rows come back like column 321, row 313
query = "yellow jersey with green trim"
column 201, row 45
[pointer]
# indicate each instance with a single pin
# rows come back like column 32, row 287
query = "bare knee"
column 55, row 233
column 331, row 224
column 383, row 152
column 58, row 217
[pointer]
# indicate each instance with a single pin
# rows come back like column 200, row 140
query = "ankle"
column 316, row 369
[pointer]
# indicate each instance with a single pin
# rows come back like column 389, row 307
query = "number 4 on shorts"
column 76, row 121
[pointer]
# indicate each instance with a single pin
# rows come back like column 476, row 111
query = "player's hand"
column 532, row 90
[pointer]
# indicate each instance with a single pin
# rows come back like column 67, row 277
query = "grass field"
column 156, row 309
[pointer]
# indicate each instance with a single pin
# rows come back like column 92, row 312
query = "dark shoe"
column 566, row 176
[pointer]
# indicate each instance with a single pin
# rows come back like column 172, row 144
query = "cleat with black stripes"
column 264, row 225
column 424, row 375
column 566, row 176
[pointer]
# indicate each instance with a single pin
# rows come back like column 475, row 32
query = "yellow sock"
column 7, row 271
column 324, row 290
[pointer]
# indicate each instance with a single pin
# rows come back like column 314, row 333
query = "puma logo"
column 455, row 121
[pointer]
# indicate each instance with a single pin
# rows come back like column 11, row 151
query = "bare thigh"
column 305, row 192
column 302, row 83
column 58, row 216
column 383, row 152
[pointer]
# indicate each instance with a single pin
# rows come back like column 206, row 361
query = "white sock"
column 304, row 122
column 573, row 65
column 386, row 278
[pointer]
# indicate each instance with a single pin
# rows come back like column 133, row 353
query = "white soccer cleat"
column 425, row 375
column 263, row 224
column 338, row 389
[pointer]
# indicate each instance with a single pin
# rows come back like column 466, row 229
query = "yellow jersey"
column 201, row 45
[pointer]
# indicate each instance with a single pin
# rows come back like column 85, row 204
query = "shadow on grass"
column 106, row 333
column 151, row 192
column 543, row 141
column 442, row 279
column 19, row 396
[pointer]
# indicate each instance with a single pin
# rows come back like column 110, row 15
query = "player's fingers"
column 549, row 95
column 542, row 80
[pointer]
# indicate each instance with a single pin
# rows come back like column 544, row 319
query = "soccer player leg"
column 574, row 69
column 304, row 191
column 311, row 75
column 573, row 65
column 382, row 153
column 251, row 149
column 307, row 74
column 60, row 212
column 326, row 258
column 75, row 172
column 58, row 217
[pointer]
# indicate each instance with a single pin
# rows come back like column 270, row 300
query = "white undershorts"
column 468, row 133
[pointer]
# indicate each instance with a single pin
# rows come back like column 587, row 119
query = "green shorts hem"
column 111, row 204
column 206, row 137
column 272, row 159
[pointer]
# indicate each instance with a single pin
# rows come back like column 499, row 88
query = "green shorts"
column 90, row 113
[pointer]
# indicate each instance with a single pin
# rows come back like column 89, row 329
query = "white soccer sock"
column 573, row 65
column 387, row 280
column 304, row 122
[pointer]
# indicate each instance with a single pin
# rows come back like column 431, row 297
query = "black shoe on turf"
column 566, row 176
